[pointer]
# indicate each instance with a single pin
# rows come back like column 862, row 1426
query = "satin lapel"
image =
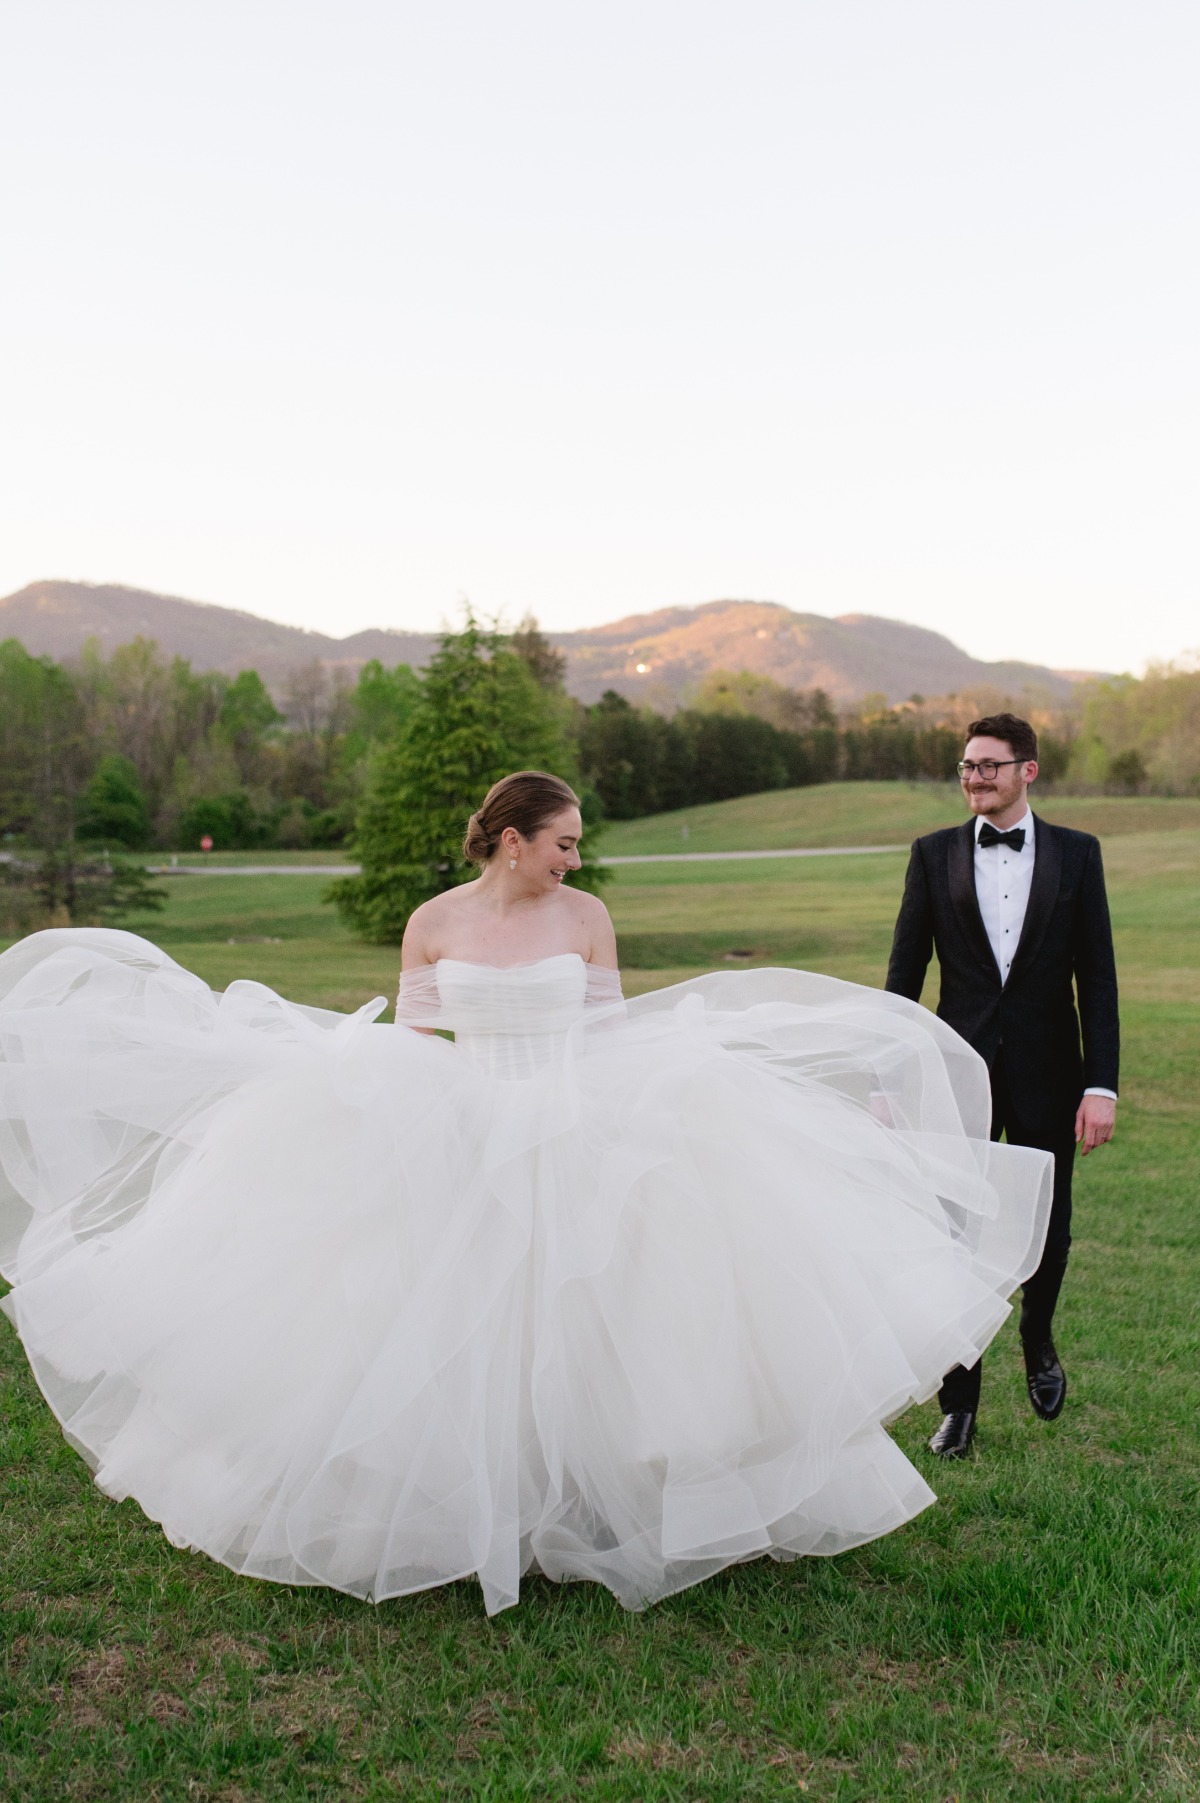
column 962, row 894
column 1043, row 895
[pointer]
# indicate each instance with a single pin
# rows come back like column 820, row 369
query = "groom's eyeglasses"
column 988, row 768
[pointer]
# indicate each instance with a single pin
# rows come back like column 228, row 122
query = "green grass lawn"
column 1034, row 1636
column 871, row 814
column 275, row 929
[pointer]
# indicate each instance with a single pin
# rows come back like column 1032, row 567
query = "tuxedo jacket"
column 1065, row 951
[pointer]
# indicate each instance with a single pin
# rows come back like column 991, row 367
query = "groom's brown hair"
column 1017, row 734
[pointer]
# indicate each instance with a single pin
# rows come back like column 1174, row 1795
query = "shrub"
column 228, row 820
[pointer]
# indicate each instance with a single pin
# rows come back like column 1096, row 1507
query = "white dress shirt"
column 1002, row 882
column 1003, row 878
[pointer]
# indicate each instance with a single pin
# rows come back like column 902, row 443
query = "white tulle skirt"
column 339, row 1304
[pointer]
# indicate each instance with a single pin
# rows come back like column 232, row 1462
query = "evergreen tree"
column 94, row 891
column 547, row 666
column 637, row 762
column 113, row 806
column 733, row 754
column 480, row 715
column 66, row 887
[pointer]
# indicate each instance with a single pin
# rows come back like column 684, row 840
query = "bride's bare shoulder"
column 588, row 906
column 596, row 922
column 427, row 925
column 443, row 906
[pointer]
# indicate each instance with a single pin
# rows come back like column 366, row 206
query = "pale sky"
column 341, row 312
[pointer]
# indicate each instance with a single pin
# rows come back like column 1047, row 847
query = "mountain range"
column 653, row 657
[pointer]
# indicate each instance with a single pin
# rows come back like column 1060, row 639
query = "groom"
column 1016, row 909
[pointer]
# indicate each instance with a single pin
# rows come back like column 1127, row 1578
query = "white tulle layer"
column 622, row 1294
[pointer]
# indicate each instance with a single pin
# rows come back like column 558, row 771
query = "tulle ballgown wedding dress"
column 612, row 1290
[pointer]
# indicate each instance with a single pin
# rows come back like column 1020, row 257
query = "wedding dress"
column 612, row 1290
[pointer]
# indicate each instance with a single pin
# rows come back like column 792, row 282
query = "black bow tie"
column 989, row 836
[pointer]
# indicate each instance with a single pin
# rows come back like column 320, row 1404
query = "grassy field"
column 1034, row 1636
column 871, row 814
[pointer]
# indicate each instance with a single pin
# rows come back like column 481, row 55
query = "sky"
column 344, row 313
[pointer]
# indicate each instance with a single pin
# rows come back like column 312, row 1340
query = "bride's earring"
column 512, row 863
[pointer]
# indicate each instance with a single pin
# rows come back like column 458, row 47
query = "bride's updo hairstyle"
column 527, row 800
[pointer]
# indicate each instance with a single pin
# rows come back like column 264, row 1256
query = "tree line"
column 137, row 752
column 1141, row 735
column 140, row 751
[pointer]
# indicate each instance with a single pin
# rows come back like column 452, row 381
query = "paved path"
column 723, row 857
column 253, row 869
column 651, row 857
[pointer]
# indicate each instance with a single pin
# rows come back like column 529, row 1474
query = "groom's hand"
column 1094, row 1122
column 881, row 1108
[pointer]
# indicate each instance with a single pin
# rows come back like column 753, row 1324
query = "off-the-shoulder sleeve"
column 418, row 1003
column 603, row 987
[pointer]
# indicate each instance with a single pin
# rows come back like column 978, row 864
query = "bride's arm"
column 602, row 939
column 603, row 976
column 604, row 979
column 418, row 974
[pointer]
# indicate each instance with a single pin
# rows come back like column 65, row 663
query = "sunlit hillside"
column 652, row 657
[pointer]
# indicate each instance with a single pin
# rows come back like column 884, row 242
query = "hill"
column 55, row 619
column 650, row 657
column 657, row 655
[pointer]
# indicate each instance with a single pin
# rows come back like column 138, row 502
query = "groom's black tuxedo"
column 1027, row 1028
column 1066, row 935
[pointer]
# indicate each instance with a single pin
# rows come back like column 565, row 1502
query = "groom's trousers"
column 960, row 1389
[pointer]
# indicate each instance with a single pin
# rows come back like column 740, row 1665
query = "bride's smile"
column 520, row 905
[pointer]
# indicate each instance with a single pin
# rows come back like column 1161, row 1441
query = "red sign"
column 206, row 843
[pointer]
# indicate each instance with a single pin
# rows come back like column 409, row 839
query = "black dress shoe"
column 1046, row 1379
column 953, row 1438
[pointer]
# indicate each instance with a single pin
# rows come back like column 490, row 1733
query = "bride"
column 612, row 1290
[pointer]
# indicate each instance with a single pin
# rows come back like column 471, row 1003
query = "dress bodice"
column 510, row 1019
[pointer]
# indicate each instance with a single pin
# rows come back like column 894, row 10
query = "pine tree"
column 547, row 666
column 113, row 806
column 480, row 714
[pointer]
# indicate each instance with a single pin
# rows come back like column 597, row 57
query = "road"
column 652, row 857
